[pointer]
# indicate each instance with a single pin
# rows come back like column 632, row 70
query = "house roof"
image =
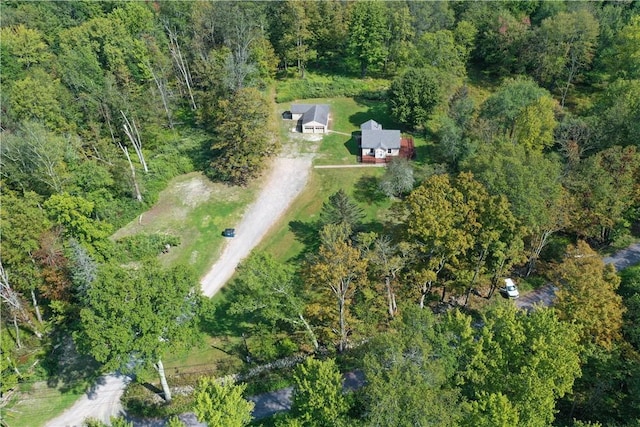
column 380, row 139
column 312, row 112
column 371, row 125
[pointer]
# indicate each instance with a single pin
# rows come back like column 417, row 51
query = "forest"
column 526, row 117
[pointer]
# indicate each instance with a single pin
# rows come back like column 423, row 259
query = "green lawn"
column 296, row 229
column 196, row 210
column 347, row 114
column 38, row 405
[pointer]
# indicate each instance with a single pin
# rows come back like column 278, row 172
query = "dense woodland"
column 531, row 111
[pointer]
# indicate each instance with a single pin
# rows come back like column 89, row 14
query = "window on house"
column 388, row 150
column 371, row 151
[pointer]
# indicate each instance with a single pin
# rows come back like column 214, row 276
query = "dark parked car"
column 229, row 232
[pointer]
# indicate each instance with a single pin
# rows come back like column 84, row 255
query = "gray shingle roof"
column 312, row 112
column 380, row 139
column 371, row 125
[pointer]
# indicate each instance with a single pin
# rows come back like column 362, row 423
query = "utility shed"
column 312, row 118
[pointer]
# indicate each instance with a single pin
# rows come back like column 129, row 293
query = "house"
column 377, row 143
column 312, row 118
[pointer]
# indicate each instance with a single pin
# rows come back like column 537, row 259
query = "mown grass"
column 197, row 211
column 297, row 229
column 37, row 406
column 339, row 147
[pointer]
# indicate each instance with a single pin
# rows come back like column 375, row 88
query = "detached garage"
column 312, row 118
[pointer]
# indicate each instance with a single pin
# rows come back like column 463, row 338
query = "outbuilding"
column 311, row 118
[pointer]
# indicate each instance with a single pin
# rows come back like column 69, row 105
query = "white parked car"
column 510, row 289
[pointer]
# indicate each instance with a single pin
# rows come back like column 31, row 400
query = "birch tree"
column 142, row 314
column 335, row 272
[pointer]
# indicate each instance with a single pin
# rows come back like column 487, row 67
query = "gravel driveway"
column 101, row 402
column 283, row 182
column 287, row 178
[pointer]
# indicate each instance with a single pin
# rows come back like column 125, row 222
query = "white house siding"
column 313, row 127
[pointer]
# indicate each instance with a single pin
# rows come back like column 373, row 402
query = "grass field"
column 37, row 406
column 296, row 229
column 196, row 210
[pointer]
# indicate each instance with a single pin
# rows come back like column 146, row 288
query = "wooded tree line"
column 100, row 97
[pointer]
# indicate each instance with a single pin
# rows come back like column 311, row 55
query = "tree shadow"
column 152, row 388
column 306, row 233
column 367, row 191
column 376, row 110
column 216, row 320
column 66, row 368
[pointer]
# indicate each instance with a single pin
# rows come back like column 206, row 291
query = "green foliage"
column 329, row 86
column 113, row 422
column 619, row 114
column 74, row 214
column 333, row 273
column 341, row 210
column 142, row 247
column 398, row 179
column 243, row 138
column 604, row 187
column 368, row 30
column 491, row 410
column 23, row 223
column 405, row 368
column 587, row 295
column 317, row 394
column 440, row 51
column 530, row 181
column 175, row 422
column 267, row 292
column 531, row 359
column 37, row 159
column 221, row 404
column 625, row 61
column 565, row 48
column 503, row 37
column 507, row 107
column 141, row 313
column 414, row 95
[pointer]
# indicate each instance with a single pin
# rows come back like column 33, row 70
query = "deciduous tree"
column 587, row 295
column 268, row 292
column 335, row 271
column 408, row 383
column 317, row 394
column 398, row 179
column 133, row 318
column 220, row 404
column 565, row 48
column 368, row 31
column 414, row 95
column 242, row 138
column 531, row 359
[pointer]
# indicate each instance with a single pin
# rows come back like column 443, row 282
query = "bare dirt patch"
column 176, row 202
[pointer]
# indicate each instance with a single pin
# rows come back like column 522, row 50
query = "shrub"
column 143, row 246
column 318, row 86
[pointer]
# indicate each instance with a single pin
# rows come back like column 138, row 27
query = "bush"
column 143, row 246
column 318, row 86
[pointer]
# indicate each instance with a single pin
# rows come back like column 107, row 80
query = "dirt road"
column 101, row 402
column 287, row 178
column 283, row 182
